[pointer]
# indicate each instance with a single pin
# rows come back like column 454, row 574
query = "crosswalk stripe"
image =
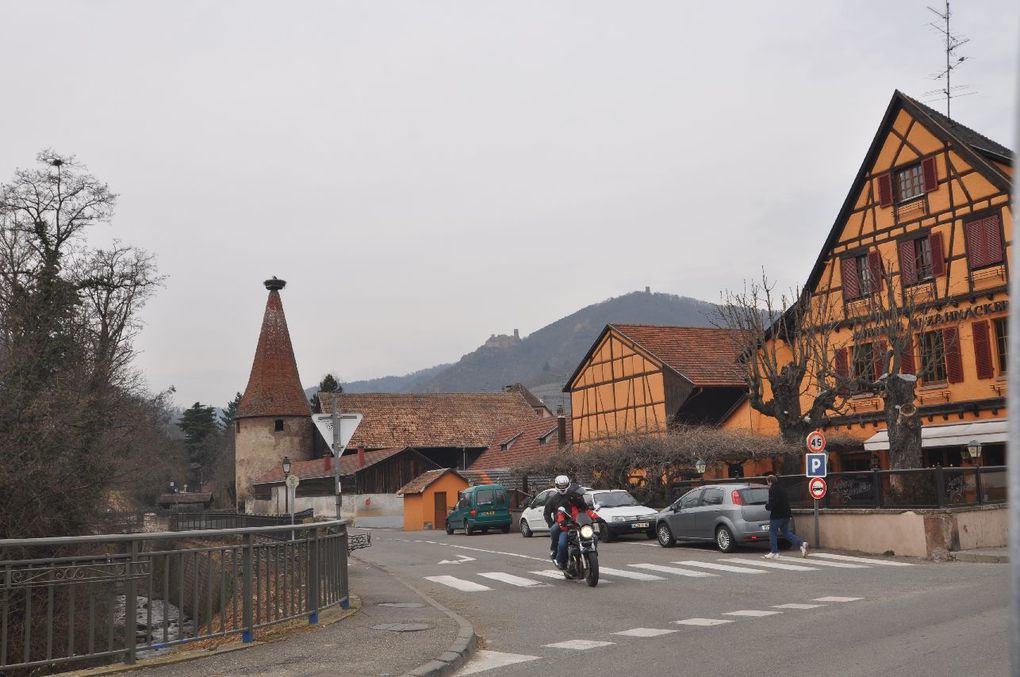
column 721, row 567
column 753, row 613
column 865, row 560
column 488, row 660
column 842, row 565
column 672, row 570
column 770, row 564
column 703, row 622
column 458, row 583
column 519, row 581
column 579, row 644
column 837, row 599
column 797, row 606
column 645, row 632
column 630, row 574
column 558, row 575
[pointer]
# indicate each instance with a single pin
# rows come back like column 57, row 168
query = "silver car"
column 729, row 514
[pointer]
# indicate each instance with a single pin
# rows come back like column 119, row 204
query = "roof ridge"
column 951, row 125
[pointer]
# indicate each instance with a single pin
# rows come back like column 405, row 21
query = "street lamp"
column 974, row 450
column 700, row 466
column 286, row 488
column 173, row 487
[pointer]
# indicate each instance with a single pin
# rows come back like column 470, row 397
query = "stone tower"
column 274, row 417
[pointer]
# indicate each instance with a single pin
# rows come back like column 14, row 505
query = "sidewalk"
column 436, row 643
column 984, row 555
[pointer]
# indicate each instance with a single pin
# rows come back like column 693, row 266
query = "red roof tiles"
column 274, row 387
column 524, row 443
column 421, row 482
column 431, row 419
column 705, row 356
column 323, row 467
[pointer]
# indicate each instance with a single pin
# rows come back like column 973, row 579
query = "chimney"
column 361, row 457
column 561, row 428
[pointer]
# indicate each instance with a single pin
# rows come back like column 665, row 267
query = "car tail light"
column 736, row 497
column 473, row 513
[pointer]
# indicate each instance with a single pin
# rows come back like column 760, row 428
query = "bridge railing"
column 91, row 600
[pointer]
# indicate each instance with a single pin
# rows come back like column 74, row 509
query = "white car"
column 620, row 514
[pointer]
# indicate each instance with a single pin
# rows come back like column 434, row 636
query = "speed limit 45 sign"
column 816, row 442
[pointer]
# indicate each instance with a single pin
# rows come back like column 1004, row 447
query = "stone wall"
column 361, row 510
column 260, row 447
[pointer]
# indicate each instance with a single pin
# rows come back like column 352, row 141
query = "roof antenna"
column 953, row 61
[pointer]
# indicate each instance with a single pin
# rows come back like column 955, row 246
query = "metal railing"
column 936, row 487
column 92, row 600
column 190, row 521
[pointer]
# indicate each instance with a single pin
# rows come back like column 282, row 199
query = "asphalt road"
column 873, row 618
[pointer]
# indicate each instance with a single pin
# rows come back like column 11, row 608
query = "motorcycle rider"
column 572, row 501
column 551, row 506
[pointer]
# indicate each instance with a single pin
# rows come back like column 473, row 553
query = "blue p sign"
column 816, row 465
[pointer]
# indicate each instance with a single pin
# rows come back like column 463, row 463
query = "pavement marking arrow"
column 461, row 559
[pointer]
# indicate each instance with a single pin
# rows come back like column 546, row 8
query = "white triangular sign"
column 349, row 422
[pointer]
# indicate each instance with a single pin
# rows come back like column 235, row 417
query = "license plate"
column 490, row 513
column 764, row 527
column 639, row 525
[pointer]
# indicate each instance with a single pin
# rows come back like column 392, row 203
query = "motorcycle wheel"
column 592, row 577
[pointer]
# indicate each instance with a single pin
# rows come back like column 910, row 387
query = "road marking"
column 519, row 581
column 630, row 574
column 770, row 565
column 797, row 606
column 865, row 560
column 650, row 545
column 672, row 570
column 458, row 583
column 722, row 567
column 487, row 660
column 753, row 613
column 460, row 560
column 497, row 552
column 703, row 622
column 645, row 632
column 842, row 565
column 579, row 644
column 837, row 599
column 558, row 575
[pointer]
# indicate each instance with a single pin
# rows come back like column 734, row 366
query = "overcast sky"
column 425, row 174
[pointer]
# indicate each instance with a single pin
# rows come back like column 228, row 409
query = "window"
column 1001, row 342
column 865, row 361
column 921, row 258
column 984, row 242
column 237, row 425
column 691, row 500
column 278, row 425
column 862, row 274
column 864, row 278
column 712, row 497
column 933, row 358
column 909, row 183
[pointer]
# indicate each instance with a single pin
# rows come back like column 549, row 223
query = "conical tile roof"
column 274, row 387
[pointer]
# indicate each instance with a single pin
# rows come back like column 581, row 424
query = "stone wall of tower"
column 260, row 447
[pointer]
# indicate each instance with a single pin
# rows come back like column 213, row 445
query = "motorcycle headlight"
column 587, row 532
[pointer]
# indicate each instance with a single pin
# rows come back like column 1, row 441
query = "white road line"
column 797, row 606
column 498, row 552
column 770, row 564
column 721, row 567
column 753, row 613
column 864, row 560
column 837, row 599
column 645, row 632
column 703, row 622
column 519, row 581
column 842, row 565
column 650, row 545
column 458, row 583
column 579, row 644
column 672, row 570
column 558, row 575
column 483, row 660
column 630, row 574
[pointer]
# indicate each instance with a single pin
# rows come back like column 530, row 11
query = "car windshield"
column 614, row 499
column 755, row 496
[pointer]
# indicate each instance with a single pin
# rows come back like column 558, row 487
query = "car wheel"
column 468, row 529
column 664, row 535
column 449, row 527
column 724, row 539
column 525, row 529
column 604, row 534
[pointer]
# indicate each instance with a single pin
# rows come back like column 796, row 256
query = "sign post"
column 815, row 469
column 337, row 430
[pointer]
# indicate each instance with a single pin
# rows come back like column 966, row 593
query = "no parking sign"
column 817, row 488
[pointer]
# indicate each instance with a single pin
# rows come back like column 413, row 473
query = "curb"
column 457, row 654
column 980, row 558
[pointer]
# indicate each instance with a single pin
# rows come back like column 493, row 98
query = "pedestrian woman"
column 779, row 520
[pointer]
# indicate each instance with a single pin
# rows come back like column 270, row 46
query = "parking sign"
column 816, row 465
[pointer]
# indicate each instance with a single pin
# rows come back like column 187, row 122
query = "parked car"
column 480, row 508
column 728, row 514
column 620, row 514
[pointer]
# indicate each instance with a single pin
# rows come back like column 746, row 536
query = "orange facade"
column 428, row 506
column 930, row 206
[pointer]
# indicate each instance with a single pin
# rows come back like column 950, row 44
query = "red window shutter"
column 842, row 368
column 931, row 180
column 982, row 350
column 908, row 273
column 851, row 285
column 938, row 257
column 885, row 189
column 875, row 266
column 907, row 365
column 954, row 360
column 993, row 238
column 977, row 244
column 878, row 358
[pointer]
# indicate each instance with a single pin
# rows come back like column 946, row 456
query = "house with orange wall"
column 429, row 497
column 930, row 207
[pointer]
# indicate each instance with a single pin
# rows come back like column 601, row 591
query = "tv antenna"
column 953, row 60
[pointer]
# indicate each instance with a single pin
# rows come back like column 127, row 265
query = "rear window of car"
column 491, row 496
column 755, row 496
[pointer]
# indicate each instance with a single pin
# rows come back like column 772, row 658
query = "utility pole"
column 336, row 450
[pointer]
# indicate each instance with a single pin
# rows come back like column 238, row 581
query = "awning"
column 952, row 435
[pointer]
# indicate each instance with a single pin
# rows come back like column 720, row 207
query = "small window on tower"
column 279, row 425
column 237, row 425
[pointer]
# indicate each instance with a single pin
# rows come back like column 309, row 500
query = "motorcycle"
column 582, row 548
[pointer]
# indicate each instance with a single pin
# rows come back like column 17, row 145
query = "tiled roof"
column 323, row 467
column 421, row 482
column 430, row 420
column 705, row 356
column 976, row 140
column 529, row 396
column 274, row 387
column 523, row 445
